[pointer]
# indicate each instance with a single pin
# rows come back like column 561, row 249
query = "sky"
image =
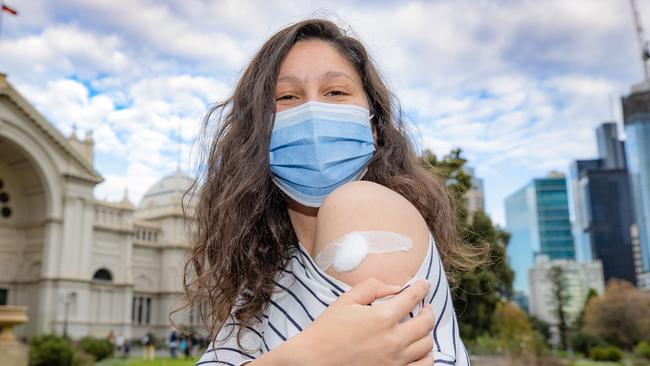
column 519, row 86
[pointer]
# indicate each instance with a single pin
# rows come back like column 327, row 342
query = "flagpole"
column 3, row 9
column 2, row 3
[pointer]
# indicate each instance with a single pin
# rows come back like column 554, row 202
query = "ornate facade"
column 83, row 266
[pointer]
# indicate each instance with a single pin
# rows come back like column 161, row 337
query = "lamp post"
column 67, row 299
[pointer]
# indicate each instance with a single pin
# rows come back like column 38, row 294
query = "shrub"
column 642, row 349
column 613, row 354
column 82, row 358
column 50, row 350
column 583, row 342
column 542, row 327
column 486, row 345
column 98, row 348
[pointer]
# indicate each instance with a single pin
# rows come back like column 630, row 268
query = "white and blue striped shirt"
column 303, row 291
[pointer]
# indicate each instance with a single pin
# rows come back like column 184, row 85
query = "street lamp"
column 67, row 299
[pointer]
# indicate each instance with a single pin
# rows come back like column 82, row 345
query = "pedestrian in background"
column 149, row 343
column 119, row 344
column 185, row 346
column 172, row 343
column 127, row 349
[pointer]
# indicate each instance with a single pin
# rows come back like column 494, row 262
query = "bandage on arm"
column 348, row 251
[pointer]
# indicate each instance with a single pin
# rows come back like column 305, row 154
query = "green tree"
column 542, row 327
column 478, row 291
column 450, row 169
column 560, row 298
column 579, row 321
column 515, row 332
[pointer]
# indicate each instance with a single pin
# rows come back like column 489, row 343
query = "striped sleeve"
column 224, row 350
column 448, row 347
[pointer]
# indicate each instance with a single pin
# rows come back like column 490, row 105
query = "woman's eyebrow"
column 327, row 75
column 336, row 74
column 290, row 79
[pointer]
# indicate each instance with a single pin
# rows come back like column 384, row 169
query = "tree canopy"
column 560, row 298
column 621, row 315
column 477, row 292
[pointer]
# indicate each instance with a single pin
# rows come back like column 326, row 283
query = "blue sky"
column 519, row 85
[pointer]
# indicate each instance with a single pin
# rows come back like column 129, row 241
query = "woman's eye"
column 336, row 93
column 286, row 97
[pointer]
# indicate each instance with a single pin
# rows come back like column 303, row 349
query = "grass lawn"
column 602, row 363
column 136, row 361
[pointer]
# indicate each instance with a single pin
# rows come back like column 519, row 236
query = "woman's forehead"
column 315, row 60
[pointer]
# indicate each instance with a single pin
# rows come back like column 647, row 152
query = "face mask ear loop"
column 374, row 128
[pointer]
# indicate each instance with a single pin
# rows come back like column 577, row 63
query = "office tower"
column 537, row 217
column 520, row 222
column 601, row 207
column 474, row 197
column 578, row 209
column 610, row 147
column 636, row 115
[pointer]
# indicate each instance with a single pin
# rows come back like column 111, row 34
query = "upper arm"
column 367, row 206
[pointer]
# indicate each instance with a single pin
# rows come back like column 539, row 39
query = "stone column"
column 13, row 352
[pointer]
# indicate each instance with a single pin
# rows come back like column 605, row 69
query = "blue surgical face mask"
column 317, row 147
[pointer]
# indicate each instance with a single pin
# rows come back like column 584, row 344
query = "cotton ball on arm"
column 352, row 249
column 347, row 252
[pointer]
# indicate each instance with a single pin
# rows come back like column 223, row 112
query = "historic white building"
column 82, row 264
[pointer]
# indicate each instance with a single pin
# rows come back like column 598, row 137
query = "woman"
column 309, row 149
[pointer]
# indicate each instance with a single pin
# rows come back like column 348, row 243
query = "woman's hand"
column 351, row 333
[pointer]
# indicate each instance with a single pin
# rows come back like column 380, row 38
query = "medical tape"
column 348, row 251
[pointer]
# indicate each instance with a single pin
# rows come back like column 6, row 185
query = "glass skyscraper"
column 537, row 217
column 556, row 240
column 636, row 115
column 521, row 222
column 578, row 208
column 601, row 207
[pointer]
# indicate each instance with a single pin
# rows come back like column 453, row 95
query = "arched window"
column 103, row 274
column 5, row 210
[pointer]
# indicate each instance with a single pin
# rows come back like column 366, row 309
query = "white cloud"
column 69, row 103
column 106, row 141
column 64, row 50
column 506, row 81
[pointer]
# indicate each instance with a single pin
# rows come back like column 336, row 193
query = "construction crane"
column 645, row 54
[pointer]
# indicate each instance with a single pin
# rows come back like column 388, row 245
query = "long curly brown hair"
column 243, row 232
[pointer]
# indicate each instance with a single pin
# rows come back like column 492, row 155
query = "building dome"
column 167, row 191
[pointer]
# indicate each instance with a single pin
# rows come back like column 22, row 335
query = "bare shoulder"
column 367, row 206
